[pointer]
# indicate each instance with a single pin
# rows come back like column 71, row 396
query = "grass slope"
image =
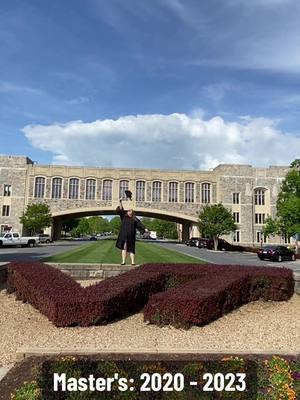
column 105, row 252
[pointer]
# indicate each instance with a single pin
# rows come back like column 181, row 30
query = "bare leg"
column 124, row 253
column 132, row 258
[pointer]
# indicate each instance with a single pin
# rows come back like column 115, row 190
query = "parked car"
column 222, row 245
column 276, row 253
column 93, row 238
column 15, row 239
column 193, row 242
column 44, row 238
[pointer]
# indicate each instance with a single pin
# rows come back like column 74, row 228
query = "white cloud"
column 166, row 141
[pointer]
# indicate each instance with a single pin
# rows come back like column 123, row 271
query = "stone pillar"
column 56, row 229
column 194, row 231
column 185, row 231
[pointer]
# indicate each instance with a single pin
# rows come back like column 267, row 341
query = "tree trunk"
column 216, row 243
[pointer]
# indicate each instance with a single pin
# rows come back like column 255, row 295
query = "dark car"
column 276, row 253
column 204, row 243
column 193, row 242
column 209, row 244
column 93, row 238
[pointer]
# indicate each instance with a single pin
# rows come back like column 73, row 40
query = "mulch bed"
column 27, row 369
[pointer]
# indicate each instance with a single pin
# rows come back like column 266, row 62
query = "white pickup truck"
column 15, row 239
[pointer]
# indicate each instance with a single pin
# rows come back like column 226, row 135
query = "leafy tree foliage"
column 36, row 218
column 70, row 224
column 163, row 228
column 115, row 225
column 90, row 226
column 214, row 221
column 287, row 220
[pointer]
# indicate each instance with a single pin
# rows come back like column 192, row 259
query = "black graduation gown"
column 129, row 225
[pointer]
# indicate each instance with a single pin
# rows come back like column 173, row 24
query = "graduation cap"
column 128, row 194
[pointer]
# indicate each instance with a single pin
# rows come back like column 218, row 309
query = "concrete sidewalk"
column 4, row 370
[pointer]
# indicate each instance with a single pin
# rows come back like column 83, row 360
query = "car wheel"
column 30, row 244
column 47, row 241
column 293, row 258
column 279, row 258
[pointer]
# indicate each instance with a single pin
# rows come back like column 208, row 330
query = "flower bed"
column 267, row 377
column 177, row 294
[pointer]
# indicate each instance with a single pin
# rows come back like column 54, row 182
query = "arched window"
column 140, row 191
column 39, row 187
column 123, row 186
column 90, row 189
column 189, row 192
column 56, row 188
column 156, row 191
column 73, row 188
column 107, row 190
column 205, row 192
column 259, row 197
column 173, row 192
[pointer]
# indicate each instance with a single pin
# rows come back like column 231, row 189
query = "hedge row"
column 177, row 294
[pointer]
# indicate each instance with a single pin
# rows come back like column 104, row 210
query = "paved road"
column 36, row 253
column 211, row 256
column 227, row 257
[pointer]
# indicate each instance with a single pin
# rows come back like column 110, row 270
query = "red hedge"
column 177, row 294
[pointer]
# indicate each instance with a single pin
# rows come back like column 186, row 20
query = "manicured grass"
column 105, row 252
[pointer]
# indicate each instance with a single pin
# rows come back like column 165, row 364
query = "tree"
column 214, row 221
column 165, row 229
column 287, row 219
column 70, row 224
column 98, row 225
column 115, row 225
column 36, row 218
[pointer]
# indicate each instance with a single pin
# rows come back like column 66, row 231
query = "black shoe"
column 132, row 264
column 123, row 263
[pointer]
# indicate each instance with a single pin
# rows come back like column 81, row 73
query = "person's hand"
column 146, row 230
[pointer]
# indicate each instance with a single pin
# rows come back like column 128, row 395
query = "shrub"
column 177, row 294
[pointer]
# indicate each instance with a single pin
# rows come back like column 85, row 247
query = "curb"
column 24, row 353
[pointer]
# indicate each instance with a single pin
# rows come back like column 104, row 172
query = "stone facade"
column 224, row 180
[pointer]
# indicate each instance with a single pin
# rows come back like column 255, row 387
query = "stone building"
column 176, row 195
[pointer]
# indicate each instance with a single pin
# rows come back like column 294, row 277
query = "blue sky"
column 160, row 83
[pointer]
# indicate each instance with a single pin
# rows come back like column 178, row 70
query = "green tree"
column 70, row 224
column 287, row 219
column 165, row 229
column 36, row 218
column 115, row 225
column 82, row 228
column 98, row 225
column 148, row 223
column 214, row 221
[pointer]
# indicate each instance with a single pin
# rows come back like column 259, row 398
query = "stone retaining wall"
column 91, row 271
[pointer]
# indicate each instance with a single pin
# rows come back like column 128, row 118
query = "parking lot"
column 229, row 257
column 36, row 253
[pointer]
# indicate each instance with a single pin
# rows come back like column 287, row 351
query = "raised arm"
column 120, row 210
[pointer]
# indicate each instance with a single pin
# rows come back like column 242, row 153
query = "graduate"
column 129, row 224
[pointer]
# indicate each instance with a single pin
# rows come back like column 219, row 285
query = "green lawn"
column 105, row 252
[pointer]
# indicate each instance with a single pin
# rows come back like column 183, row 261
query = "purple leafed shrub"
column 177, row 294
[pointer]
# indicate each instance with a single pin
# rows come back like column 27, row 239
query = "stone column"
column 194, row 230
column 185, row 231
column 56, row 228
